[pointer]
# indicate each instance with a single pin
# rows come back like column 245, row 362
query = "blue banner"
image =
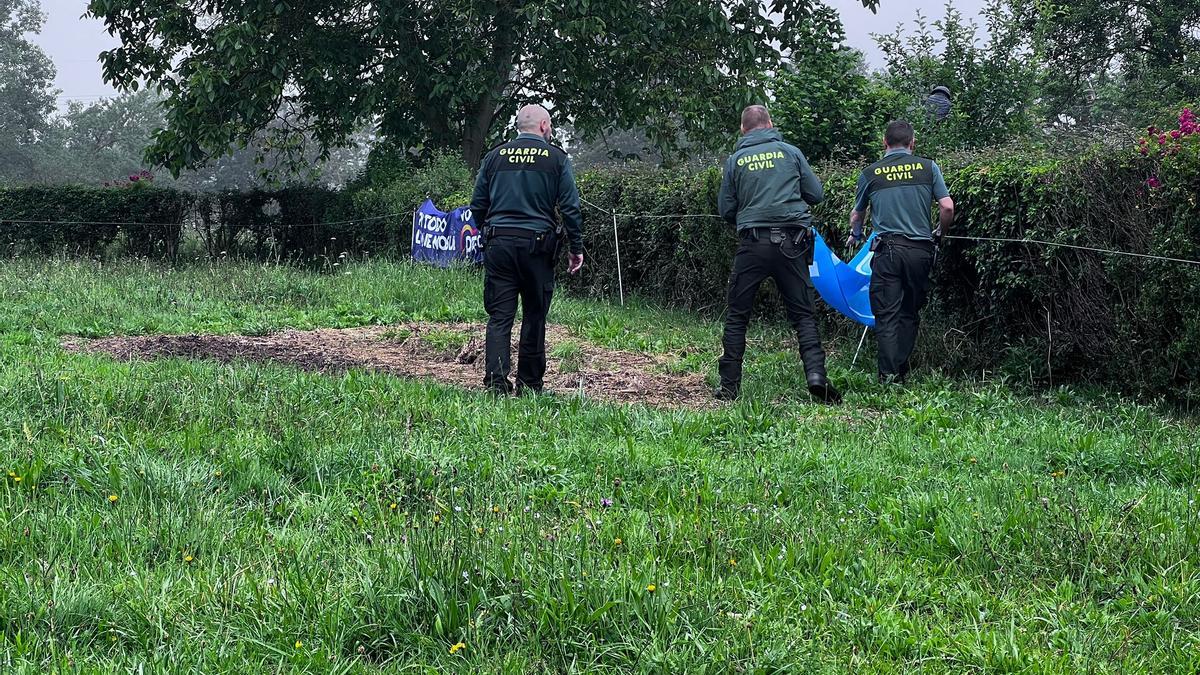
column 844, row 286
column 444, row 238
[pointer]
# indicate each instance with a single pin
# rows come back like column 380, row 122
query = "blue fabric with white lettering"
column 444, row 238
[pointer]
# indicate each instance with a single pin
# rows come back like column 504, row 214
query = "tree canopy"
column 444, row 74
column 26, row 94
column 1107, row 59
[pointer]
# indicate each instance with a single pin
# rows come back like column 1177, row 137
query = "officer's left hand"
column 576, row 262
column 853, row 240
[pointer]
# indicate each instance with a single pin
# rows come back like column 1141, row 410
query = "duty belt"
column 776, row 235
column 514, row 232
column 893, row 238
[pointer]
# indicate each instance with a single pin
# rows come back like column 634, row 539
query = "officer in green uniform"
column 519, row 187
column 766, row 192
column 900, row 189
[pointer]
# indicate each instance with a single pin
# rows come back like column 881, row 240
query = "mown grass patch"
column 272, row 519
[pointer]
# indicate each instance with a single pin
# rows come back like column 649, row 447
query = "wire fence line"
column 616, row 215
column 1079, row 247
column 1039, row 242
column 365, row 219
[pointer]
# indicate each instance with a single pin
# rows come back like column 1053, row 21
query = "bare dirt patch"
column 448, row 353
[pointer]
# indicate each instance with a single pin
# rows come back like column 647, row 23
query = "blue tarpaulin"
column 844, row 286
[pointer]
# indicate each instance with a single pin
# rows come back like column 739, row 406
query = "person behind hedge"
column 938, row 103
column 899, row 190
column 766, row 192
column 520, row 185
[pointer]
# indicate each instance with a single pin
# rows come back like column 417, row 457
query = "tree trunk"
column 475, row 131
column 479, row 116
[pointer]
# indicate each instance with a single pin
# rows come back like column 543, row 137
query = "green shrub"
column 1049, row 314
column 399, row 185
column 84, row 219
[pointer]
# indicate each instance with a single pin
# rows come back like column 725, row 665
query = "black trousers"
column 899, row 286
column 786, row 263
column 512, row 271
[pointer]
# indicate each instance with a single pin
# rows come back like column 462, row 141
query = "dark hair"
column 755, row 117
column 899, row 134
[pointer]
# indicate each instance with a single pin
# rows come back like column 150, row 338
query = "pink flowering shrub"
column 139, row 179
column 1169, row 142
column 1163, row 144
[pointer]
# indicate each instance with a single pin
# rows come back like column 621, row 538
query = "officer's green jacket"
column 768, row 183
column 901, row 189
column 522, row 183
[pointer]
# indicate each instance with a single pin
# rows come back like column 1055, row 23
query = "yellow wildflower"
column 454, row 649
column 495, row 509
column 437, row 518
column 112, row 499
column 732, row 562
column 299, row 644
column 617, row 541
column 651, row 588
column 393, row 506
column 187, row 558
column 16, row 479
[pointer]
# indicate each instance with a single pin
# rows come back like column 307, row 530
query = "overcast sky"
column 74, row 43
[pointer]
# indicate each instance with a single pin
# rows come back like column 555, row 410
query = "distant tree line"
column 271, row 93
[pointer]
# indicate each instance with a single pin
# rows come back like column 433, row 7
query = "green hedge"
column 91, row 215
column 1044, row 313
column 1048, row 314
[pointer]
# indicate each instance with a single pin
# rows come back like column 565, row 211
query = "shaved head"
column 531, row 118
column 755, row 117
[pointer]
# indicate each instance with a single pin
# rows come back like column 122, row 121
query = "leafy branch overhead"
column 445, row 74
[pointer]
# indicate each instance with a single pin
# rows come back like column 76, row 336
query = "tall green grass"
column 271, row 520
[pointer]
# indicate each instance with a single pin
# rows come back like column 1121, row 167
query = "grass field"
column 181, row 516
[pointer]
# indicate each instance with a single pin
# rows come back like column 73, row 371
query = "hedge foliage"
column 1050, row 314
column 85, row 220
column 1043, row 313
column 369, row 217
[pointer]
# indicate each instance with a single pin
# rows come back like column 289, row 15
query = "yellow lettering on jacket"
column 524, row 152
column 762, row 160
column 899, row 168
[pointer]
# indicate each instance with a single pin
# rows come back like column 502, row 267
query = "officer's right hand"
column 853, row 240
column 576, row 262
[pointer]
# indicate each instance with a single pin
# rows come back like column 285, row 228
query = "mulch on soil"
column 448, row 353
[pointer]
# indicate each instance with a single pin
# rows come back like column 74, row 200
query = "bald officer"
column 900, row 190
column 520, row 186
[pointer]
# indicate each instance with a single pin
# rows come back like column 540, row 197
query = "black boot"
column 823, row 391
column 727, row 393
column 499, row 388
